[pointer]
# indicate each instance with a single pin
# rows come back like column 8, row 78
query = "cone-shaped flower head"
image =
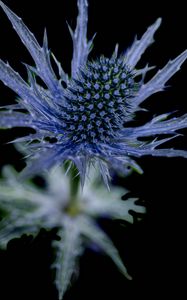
column 97, row 102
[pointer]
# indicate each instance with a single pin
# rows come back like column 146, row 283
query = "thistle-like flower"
column 29, row 208
column 82, row 118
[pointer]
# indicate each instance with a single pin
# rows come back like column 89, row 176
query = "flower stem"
column 73, row 173
column 74, row 183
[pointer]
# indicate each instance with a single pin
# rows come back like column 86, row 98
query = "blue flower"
column 82, row 118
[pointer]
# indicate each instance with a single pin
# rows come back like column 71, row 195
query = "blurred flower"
column 81, row 118
column 29, row 208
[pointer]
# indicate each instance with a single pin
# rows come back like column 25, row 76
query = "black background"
column 153, row 249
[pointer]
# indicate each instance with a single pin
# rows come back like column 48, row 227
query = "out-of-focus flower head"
column 28, row 208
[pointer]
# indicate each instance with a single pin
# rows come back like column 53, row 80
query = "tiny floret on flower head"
column 107, row 96
column 107, row 86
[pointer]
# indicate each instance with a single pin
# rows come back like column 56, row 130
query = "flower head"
column 82, row 119
column 29, row 208
column 97, row 101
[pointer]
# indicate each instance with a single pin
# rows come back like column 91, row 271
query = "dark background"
column 154, row 249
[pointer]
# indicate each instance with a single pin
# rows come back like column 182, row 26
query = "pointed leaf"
column 150, row 150
column 156, row 126
column 68, row 250
column 157, row 83
column 13, row 80
column 40, row 55
column 81, row 47
column 111, row 205
column 135, row 52
column 15, row 119
column 95, row 234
